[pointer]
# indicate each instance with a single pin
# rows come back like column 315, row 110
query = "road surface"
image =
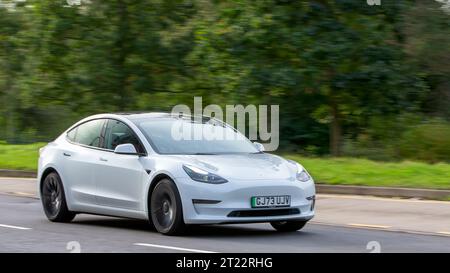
column 24, row 228
column 406, row 215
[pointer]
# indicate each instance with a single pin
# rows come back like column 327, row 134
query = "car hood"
column 244, row 166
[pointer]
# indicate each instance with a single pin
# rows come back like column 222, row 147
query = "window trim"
column 102, row 132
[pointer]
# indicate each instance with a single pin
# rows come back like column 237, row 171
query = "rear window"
column 88, row 133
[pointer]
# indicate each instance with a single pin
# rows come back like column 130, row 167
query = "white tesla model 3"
column 133, row 165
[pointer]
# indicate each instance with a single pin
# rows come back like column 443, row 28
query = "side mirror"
column 126, row 149
column 259, row 146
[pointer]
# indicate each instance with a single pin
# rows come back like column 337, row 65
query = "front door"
column 120, row 178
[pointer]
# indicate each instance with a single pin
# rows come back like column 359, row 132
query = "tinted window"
column 71, row 135
column 119, row 133
column 87, row 133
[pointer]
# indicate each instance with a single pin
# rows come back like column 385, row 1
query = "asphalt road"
column 392, row 214
column 24, row 228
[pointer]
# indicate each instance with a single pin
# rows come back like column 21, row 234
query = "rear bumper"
column 230, row 202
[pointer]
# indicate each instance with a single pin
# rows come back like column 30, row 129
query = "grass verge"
column 338, row 171
column 356, row 171
column 19, row 157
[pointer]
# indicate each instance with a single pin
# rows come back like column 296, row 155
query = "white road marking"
column 18, row 178
column 175, row 248
column 367, row 225
column 14, row 227
column 22, row 193
column 369, row 197
column 427, row 233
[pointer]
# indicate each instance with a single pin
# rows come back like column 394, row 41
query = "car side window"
column 88, row 133
column 117, row 133
column 72, row 133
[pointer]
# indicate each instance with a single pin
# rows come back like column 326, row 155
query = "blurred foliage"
column 428, row 142
column 404, row 136
column 341, row 71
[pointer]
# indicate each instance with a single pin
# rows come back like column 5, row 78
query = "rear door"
column 120, row 178
column 81, row 161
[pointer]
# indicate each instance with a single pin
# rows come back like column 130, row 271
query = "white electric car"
column 146, row 166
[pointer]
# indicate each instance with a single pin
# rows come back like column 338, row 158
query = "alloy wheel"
column 52, row 196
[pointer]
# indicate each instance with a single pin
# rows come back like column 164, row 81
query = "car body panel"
column 119, row 180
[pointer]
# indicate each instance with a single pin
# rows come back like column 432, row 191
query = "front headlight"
column 200, row 175
column 302, row 175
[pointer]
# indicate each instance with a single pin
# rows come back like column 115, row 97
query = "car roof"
column 142, row 115
column 135, row 116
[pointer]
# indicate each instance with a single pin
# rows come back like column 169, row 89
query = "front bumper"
column 201, row 206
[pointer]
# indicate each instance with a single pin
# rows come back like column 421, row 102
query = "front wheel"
column 288, row 226
column 53, row 199
column 166, row 209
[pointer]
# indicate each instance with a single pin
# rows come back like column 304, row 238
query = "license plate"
column 270, row 201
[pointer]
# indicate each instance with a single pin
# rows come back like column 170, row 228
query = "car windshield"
column 193, row 136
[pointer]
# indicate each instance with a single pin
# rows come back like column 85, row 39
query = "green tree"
column 12, row 60
column 338, row 60
column 426, row 27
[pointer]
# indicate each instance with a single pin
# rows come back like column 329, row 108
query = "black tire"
column 54, row 199
column 288, row 226
column 166, row 210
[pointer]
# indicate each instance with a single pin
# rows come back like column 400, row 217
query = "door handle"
column 103, row 159
column 67, row 154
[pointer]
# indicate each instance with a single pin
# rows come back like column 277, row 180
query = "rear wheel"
column 166, row 210
column 288, row 226
column 53, row 199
